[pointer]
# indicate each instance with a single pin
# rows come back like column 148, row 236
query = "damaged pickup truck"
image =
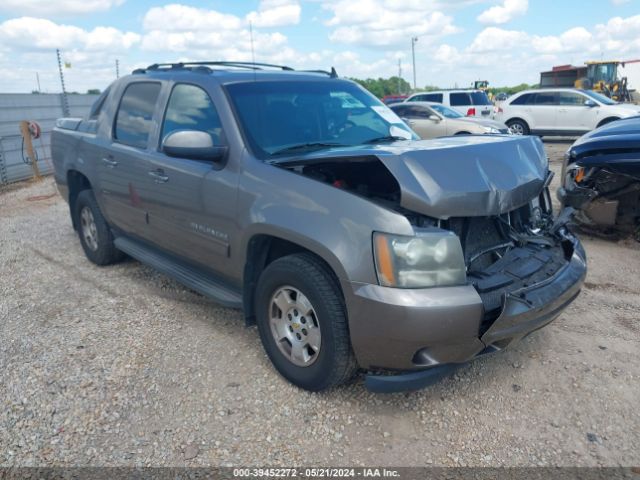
column 303, row 200
column 601, row 179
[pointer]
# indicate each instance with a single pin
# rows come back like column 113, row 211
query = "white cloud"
column 276, row 13
column 504, row 13
column 493, row 39
column 57, row 7
column 28, row 33
column 384, row 23
column 182, row 18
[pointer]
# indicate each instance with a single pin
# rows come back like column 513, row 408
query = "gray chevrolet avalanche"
column 301, row 199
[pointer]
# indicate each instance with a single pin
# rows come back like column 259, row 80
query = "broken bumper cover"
column 523, row 312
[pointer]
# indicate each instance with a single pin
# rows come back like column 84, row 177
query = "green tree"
column 93, row 91
column 385, row 86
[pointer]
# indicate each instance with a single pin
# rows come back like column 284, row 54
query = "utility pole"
column 399, row 76
column 414, row 40
column 38, row 80
column 65, row 101
column 117, row 68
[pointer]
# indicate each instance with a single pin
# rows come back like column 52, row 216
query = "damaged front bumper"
column 451, row 334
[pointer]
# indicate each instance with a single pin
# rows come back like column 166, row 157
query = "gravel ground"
column 121, row 366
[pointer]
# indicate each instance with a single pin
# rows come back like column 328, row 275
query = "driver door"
column 192, row 206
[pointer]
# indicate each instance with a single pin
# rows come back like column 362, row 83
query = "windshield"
column 598, row 97
column 280, row 117
column 446, row 111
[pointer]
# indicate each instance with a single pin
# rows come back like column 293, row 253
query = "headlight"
column 430, row 259
column 491, row 130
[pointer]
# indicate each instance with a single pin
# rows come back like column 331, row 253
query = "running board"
column 185, row 274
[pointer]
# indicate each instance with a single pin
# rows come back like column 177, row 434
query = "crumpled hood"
column 461, row 176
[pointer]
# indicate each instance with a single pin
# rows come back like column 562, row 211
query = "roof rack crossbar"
column 249, row 65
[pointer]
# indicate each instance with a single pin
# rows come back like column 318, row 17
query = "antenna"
column 65, row 101
column 253, row 54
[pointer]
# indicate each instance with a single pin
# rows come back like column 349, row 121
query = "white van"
column 472, row 103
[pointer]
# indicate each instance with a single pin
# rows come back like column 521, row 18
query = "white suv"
column 560, row 111
column 472, row 103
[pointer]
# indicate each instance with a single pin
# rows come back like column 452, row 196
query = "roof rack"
column 204, row 67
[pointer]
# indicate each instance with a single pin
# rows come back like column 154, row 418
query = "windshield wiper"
column 386, row 138
column 306, row 146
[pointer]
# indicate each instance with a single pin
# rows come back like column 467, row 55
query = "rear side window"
column 458, row 99
column 135, row 114
column 191, row 108
column 525, row 99
column 545, row 98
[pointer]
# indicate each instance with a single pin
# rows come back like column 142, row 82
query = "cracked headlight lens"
column 429, row 259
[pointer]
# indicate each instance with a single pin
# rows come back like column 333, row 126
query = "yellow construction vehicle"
column 600, row 76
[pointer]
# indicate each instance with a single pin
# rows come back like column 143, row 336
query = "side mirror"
column 433, row 117
column 590, row 104
column 192, row 144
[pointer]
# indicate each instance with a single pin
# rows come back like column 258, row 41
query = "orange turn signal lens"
column 579, row 175
column 384, row 260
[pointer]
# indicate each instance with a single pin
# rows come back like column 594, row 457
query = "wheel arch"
column 264, row 248
column 76, row 182
column 604, row 121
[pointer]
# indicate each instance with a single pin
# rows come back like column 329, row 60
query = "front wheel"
column 518, row 127
column 302, row 322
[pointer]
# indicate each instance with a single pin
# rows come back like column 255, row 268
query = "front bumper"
column 427, row 331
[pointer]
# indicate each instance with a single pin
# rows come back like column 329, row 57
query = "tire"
column 96, row 241
column 292, row 280
column 463, row 133
column 518, row 127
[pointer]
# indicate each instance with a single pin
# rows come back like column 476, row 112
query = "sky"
column 506, row 42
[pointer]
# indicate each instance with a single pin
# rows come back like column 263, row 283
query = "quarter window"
column 191, row 108
column 135, row 113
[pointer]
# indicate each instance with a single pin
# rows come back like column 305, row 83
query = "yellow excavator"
column 600, row 76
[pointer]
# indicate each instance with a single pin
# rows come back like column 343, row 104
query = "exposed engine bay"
column 502, row 253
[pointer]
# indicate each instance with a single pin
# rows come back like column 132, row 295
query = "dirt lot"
column 122, row 366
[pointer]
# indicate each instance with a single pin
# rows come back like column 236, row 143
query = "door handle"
column 109, row 161
column 159, row 176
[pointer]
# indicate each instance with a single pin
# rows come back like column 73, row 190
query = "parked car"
column 391, row 99
column 560, row 111
column 431, row 120
column 472, row 103
column 306, row 202
column 500, row 97
column 601, row 178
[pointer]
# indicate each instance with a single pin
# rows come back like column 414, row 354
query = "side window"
column 433, row 97
column 191, row 108
column 135, row 114
column 458, row 99
column 545, row 98
column 400, row 110
column 525, row 99
column 418, row 98
column 98, row 104
column 571, row 99
column 417, row 112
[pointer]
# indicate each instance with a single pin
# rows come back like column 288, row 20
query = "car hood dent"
column 471, row 175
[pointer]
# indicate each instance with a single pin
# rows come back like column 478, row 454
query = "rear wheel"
column 518, row 127
column 94, row 232
column 302, row 322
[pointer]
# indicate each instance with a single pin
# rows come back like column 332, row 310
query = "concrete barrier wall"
column 42, row 108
